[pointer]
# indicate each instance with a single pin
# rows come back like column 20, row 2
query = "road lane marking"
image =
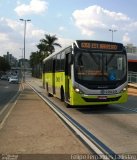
column 6, row 107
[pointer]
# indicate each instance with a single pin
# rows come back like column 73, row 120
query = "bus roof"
column 92, row 45
column 53, row 54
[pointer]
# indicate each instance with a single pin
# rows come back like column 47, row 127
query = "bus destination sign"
column 99, row 46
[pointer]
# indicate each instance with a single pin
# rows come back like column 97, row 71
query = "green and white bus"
column 87, row 73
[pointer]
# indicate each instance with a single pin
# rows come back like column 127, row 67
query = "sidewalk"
column 132, row 85
column 33, row 128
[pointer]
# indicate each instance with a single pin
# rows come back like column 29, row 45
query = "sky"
column 69, row 20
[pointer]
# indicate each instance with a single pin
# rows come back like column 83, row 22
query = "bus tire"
column 48, row 94
column 68, row 105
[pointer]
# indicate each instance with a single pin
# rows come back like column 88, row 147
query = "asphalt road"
column 7, row 91
column 115, row 125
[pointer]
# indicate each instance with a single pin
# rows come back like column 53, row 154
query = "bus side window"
column 67, row 65
column 53, row 64
column 57, row 63
column 62, row 61
column 43, row 67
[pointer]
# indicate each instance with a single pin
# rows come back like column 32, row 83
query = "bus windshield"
column 99, row 66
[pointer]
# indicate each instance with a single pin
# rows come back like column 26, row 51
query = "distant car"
column 13, row 79
column 4, row 77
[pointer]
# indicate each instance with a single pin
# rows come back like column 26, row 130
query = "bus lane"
column 115, row 125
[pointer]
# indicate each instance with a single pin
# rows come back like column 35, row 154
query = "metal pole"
column 112, row 30
column 22, row 60
column 112, row 35
column 24, row 47
column 24, row 44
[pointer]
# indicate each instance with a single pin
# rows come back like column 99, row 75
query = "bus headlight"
column 124, row 89
column 77, row 90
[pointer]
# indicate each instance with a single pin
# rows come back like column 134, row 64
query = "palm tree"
column 49, row 43
column 42, row 50
column 45, row 47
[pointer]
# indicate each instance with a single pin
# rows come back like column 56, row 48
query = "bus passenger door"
column 67, row 77
column 43, row 76
column 53, row 76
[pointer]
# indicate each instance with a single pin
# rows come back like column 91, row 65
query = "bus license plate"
column 102, row 97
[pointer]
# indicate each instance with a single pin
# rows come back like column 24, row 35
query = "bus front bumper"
column 81, row 99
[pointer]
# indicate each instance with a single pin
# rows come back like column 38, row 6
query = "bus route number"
column 104, row 46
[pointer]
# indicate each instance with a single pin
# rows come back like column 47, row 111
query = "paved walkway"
column 33, row 128
column 133, row 85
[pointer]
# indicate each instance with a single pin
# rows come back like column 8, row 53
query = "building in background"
column 132, row 62
column 11, row 60
column 132, row 57
column 130, row 48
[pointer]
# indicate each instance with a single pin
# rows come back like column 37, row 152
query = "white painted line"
column 7, row 115
column 5, row 107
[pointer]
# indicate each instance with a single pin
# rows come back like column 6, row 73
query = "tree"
column 43, row 51
column 49, row 43
column 4, row 65
column 34, row 61
column 45, row 48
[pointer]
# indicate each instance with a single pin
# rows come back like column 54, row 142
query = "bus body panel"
column 80, row 99
column 59, row 82
column 49, row 82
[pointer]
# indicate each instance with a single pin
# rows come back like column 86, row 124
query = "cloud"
column 4, row 29
column 7, row 29
column 61, row 28
column 64, row 43
column 34, row 7
column 3, row 37
column 94, row 18
column 126, row 39
column 12, row 36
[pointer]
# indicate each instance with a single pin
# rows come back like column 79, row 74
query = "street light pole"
column 22, row 52
column 112, row 30
column 25, row 22
column 21, row 62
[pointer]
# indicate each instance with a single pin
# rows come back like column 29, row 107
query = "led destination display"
column 93, row 45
